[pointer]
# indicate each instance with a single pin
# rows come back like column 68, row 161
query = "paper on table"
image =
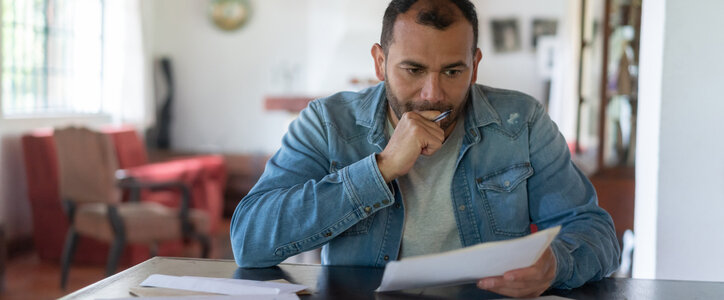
column 467, row 264
column 220, row 297
column 284, row 288
column 220, row 285
column 551, row 297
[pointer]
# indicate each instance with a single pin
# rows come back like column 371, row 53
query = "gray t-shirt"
column 426, row 190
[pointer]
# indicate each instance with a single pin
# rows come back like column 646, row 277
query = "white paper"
column 284, row 288
column 224, row 297
column 224, row 286
column 467, row 264
column 552, row 297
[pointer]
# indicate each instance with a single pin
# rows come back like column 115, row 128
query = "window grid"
column 52, row 56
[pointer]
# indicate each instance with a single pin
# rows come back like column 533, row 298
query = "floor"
column 28, row 278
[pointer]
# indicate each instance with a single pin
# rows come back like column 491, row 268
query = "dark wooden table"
column 327, row 282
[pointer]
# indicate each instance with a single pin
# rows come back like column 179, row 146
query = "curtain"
column 124, row 71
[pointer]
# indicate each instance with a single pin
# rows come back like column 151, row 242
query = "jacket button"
column 387, row 257
column 397, row 205
column 368, row 209
column 376, row 205
column 328, row 234
column 479, row 180
column 507, row 183
column 461, row 207
column 385, row 201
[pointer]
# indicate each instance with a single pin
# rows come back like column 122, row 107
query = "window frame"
column 44, row 112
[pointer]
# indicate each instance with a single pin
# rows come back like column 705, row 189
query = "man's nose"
column 431, row 90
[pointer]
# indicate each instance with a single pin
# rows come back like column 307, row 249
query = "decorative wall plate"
column 229, row 14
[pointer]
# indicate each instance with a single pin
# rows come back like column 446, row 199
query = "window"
column 52, row 57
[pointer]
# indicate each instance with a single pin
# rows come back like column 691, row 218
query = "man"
column 370, row 178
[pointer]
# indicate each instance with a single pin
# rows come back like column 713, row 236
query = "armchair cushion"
column 144, row 222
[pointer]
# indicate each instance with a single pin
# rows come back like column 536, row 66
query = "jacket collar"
column 482, row 112
column 372, row 113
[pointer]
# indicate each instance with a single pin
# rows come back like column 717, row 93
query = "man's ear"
column 476, row 61
column 379, row 57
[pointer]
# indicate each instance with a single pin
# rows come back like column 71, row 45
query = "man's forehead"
column 408, row 24
column 416, row 42
column 429, row 23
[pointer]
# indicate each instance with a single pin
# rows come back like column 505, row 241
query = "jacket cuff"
column 368, row 190
column 564, row 264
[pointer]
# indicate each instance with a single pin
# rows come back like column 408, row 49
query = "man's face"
column 426, row 68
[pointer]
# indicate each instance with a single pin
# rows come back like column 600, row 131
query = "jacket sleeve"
column 299, row 203
column 586, row 248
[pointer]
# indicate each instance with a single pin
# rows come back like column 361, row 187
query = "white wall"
column 680, row 168
column 340, row 37
column 221, row 78
column 519, row 70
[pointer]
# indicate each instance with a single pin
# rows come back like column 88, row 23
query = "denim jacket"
column 323, row 188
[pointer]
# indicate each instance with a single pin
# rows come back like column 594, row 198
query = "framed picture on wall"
column 542, row 27
column 506, row 36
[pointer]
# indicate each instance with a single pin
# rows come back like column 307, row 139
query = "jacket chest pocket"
column 505, row 199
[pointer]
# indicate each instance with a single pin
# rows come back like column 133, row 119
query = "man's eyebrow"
column 413, row 64
column 455, row 65
column 422, row 66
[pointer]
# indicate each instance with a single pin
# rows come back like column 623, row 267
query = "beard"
column 400, row 108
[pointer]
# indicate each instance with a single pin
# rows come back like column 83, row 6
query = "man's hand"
column 415, row 134
column 526, row 282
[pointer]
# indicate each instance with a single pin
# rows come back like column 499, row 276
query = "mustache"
column 426, row 105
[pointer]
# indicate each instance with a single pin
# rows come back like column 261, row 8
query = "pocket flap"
column 506, row 179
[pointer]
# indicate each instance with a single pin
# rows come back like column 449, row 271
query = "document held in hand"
column 466, row 265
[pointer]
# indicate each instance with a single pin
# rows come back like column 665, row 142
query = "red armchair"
column 207, row 191
column 50, row 224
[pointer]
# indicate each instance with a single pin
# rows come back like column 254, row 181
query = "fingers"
column 532, row 273
column 428, row 114
column 423, row 119
column 543, row 269
column 413, row 136
column 500, row 285
column 428, row 135
column 524, row 282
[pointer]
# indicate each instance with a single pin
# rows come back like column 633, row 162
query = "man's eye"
column 452, row 73
column 414, row 71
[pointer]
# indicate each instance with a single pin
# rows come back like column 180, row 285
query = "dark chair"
column 90, row 189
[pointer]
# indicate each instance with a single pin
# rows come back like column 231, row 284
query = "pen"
column 442, row 116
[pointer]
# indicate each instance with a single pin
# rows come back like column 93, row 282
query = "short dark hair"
column 436, row 16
